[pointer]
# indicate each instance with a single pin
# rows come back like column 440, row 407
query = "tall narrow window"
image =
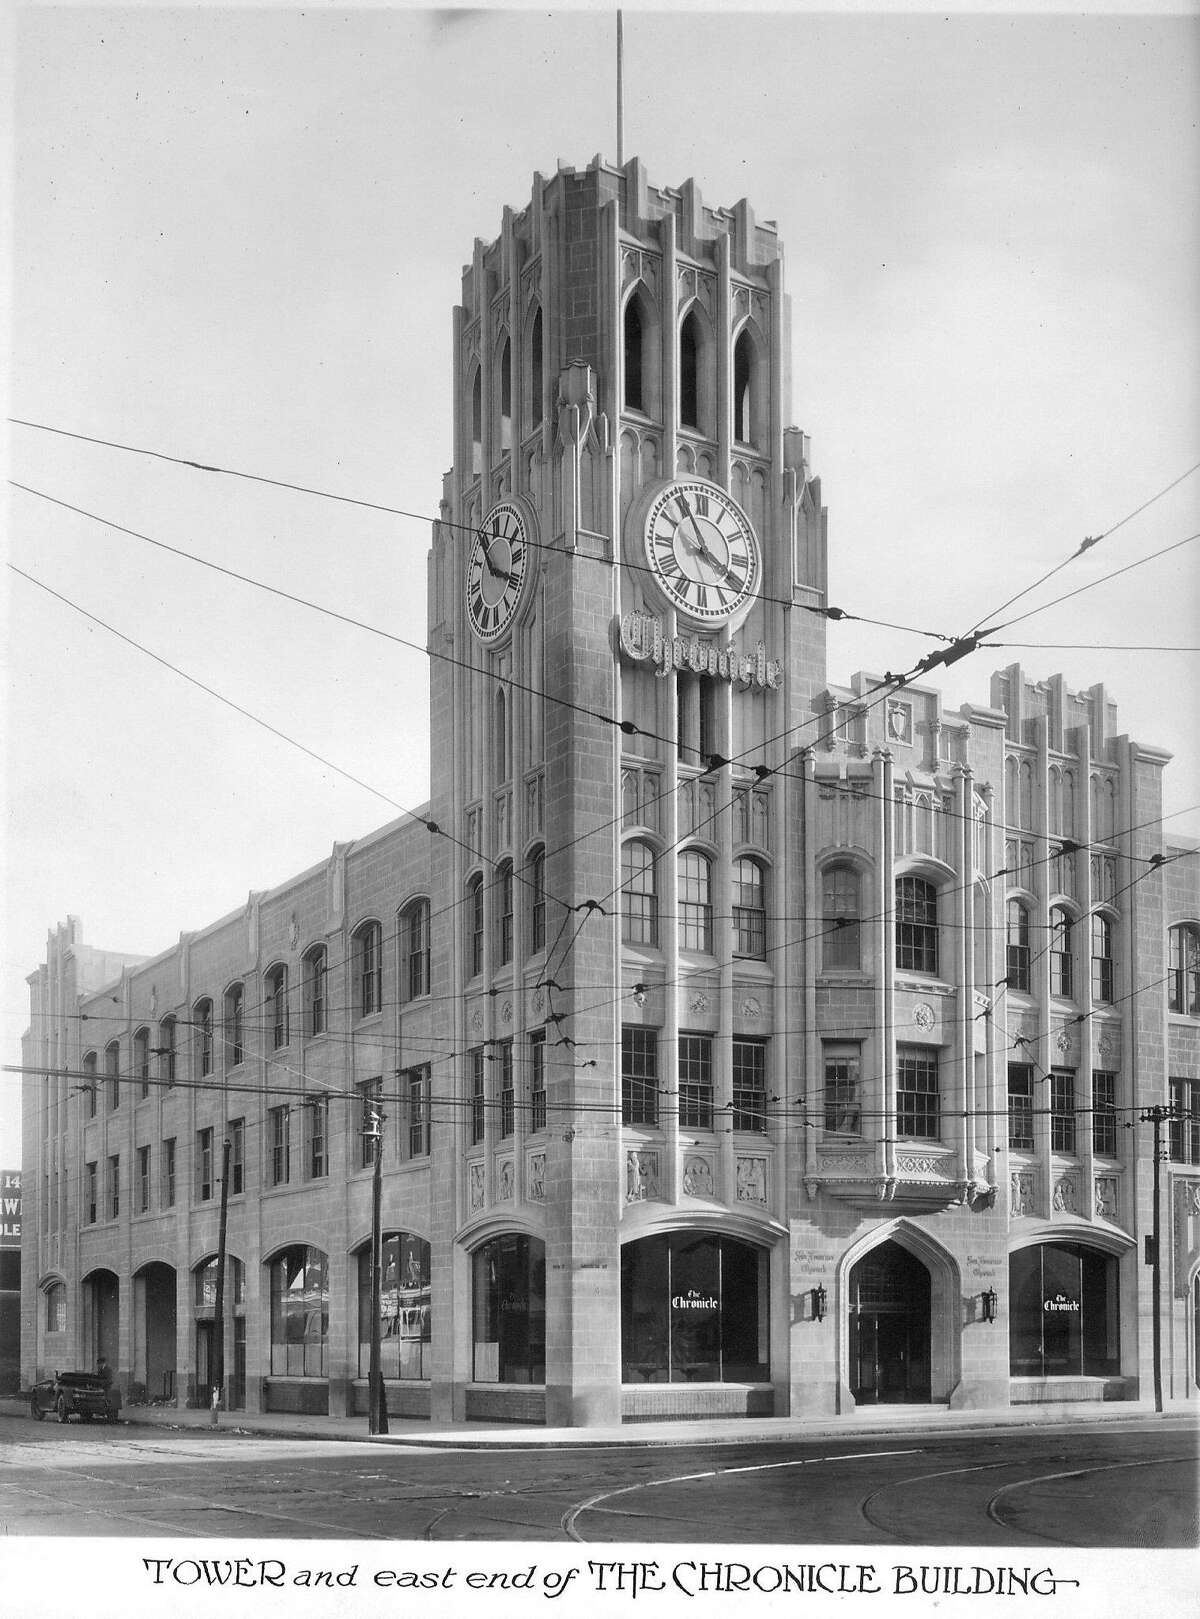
column 505, row 400
column 418, row 1111
column 141, row 1061
column 277, row 1006
column 750, row 1085
column 167, row 1168
column 916, row 926
column 504, row 912
column 89, row 1084
column 235, row 1027
column 279, row 1157
column 316, row 966
column 202, row 1019
column 639, row 896
column 1104, row 1113
column 89, row 1193
column 1060, row 952
column 500, row 738
column 204, row 1164
column 508, row 1097
column 749, row 910
column 537, row 1080
column 1018, row 956
column 841, row 909
column 842, row 1089
column 536, row 371
column 695, row 1082
column 689, row 372
column 1020, row 1107
column 743, row 383
column 639, row 1076
column 316, row 1134
column 166, row 1050
column 1062, row 1109
column 236, row 1136
column 476, row 422
column 143, row 1179
column 368, row 969
column 1102, row 959
column 112, row 1070
column 414, row 949
column 634, row 338
column 918, row 1104
column 370, row 1120
column 1183, row 971
column 537, row 901
column 478, row 1095
column 695, row 902
column 1184, row 1128
column 114, row 1185
column 474, row 926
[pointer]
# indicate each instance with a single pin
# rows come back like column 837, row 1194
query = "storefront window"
column 510, row 1310
column 694, row 1309
column 205, row 1284
column 1064, row 1314
column 405, row 1343
column 300, row 1313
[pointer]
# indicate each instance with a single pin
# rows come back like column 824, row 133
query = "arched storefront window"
column 300, row 1313
column 405, row 1318
column 1064, row 1314
column 509, row 1275
column 694, row 1309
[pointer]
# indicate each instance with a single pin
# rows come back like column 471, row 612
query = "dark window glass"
column 168, row 1172
column 414, row 946
column 1064, row 1315
column 843, row 1090
column 300, row 1313
column 749, row 910
column 1104, row 1114
column 316, row 967
column 508, row 1099
column 1018, row 963
column 695, row 902
column 917, row 1099
column 405, row 1307
column 368, row 969
column 639, row 896
column 1020, row 1107
column 1184, row 1126
column 316, row 1136
column 689, row 373
column 203, row 1016
column 418, row 1111
column 277, row 1006
column 235, row 1025
column 695, row 1081
column 237, row 1156
column 143, row 1179
column 694, row 1308
column 166, row 1050
column 141, row 1061
column 634, row 395
column 537, row 1080
column 743, row 375
column 1060, row 953
column 112, row 1070
column 537, row 901
column 1183, row 978
column 1102, row 959
column 279, row 1146
column 750, row 1085
column 478, row 1095
column 1062, row 1109
column 509, row 1275
column 204, row 1165
column 370, row 1120
column 504, row 912
column 474, row 922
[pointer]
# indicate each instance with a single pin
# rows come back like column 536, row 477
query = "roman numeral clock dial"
column 702, row 550
column 496, row 571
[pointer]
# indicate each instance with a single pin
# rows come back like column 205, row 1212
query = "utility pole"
column 1157, row 1116
column 217, row 1370
column 377, row 1421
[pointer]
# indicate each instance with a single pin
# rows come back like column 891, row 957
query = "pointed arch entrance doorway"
column 890, row 1313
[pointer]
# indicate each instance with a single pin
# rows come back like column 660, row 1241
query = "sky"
column 238, row 240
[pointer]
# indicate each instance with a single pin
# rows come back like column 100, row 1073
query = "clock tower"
column 628, row 539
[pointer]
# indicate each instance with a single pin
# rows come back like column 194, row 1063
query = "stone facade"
column 736, row 1042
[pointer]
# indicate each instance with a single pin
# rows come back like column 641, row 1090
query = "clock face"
column 496, row 571
column 702, row 550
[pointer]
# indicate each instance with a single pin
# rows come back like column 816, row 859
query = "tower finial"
column 620, row 90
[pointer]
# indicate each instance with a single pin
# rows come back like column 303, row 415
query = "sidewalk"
column 915, row 1420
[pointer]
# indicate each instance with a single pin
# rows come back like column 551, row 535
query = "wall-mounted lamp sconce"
column 987, row 1300
column 819, row 1301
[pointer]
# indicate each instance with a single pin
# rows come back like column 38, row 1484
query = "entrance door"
column 889, row 1328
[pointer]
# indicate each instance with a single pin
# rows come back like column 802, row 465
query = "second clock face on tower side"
column 496, row 571
column 702, row 550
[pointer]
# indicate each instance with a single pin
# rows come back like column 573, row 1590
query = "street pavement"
column 895, row 1419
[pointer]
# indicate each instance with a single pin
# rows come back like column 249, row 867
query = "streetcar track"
column 993, row 1505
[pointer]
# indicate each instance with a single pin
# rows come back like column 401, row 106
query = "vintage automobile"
column 85, row 1393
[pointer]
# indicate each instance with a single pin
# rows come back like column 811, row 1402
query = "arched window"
column 537, row 900
column 509, row 1309
column 277, row 1006
column 639, row 894
column 502, row 752
column 841, row 908
column 1102, row 959
column 504, row 912
column 89, row 1084
column 235, row 1025
column 316, row 967
column 368, row 969
column 166, row 1050
column 749, row 910
column 474, row 926
column 1060, row 952
column 112, row 1070
column 635, row 339
column 746, row 389
column 202, row 1020
column 414, row 950
column 695, row 902
column 1183, row 977
column 1063, row 1302
column 504, row 399
column 141, row 1060
column 916, row 925
column 691, row 345
column 300, row 1313
column 405, row 1309
column 56, row 1307
column 1018, row 960
column 476, row 422
column 536, row 370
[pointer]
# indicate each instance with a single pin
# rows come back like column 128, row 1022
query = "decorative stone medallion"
column 752, row 1007
column 697, row 1176
column 477, row 1020
column 924, row 1016
column 698, row 1002
column 1064, row 1042
column 506, row 1012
